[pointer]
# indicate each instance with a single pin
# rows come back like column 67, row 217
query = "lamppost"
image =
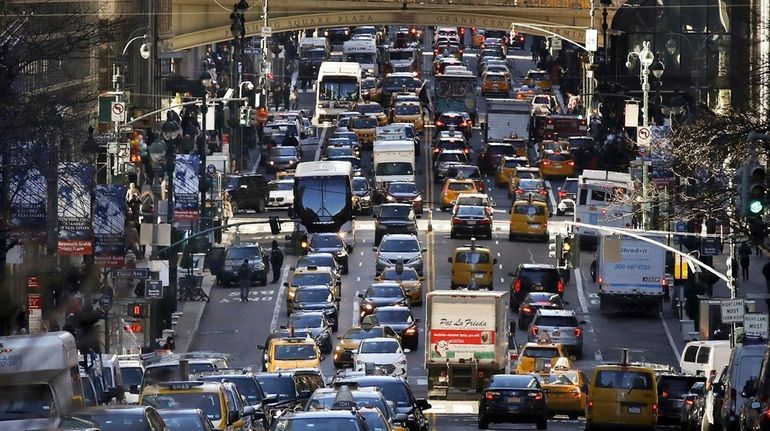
column 605, row 5
column 206, row 81
column 239, row 153
column 171, row 131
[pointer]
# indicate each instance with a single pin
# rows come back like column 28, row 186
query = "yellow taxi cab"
column 373, row 109
column 452, row 188
column 311, row 276
column 495, row 83
column 519, row 145
column 409, row 112
column 212, row 398
column 539, row 357
column 507, row 168
column 408, row 278
column 518, row 175
column 529, row 218
column 622, row 395
column 557, row 164
column 472, row 266
column 365, row 127
column 567, row 390
column 292, row 352
column 538, row 78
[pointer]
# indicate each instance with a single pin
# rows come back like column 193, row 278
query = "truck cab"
column 393, row 161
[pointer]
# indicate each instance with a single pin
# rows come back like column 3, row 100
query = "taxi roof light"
column 180, row 385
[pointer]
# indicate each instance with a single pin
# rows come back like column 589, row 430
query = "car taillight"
column 733, row 397
column 689, row 401
column 466, row 150
column 485, row 221
column 457, row 221
column 562, row 194
column 435, row 52
column 480, row 374
column 413, row 30
column 560, row 286
column 436, row 150
column 578, row 331
column 526, row 309
column 468, row 123
column 519, row 191
column 543, row 192
column 546, row 162
column 655, row 408
column 571, row 163
column 489, row 395
column 517, row 285
column 590, row 405
column 664, row 394
column 538, row 396
column 534, row 330
column 439, row 123
column 600, row 280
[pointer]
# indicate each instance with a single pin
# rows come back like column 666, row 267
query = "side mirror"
column 422, row 404
column 249, row 411
column 423, row 250
column 374, row 248
column 260, row 347
column 360, row 295
column 407, row 350
column 374, row 215
column 449, row 259
column 269, row 398
column 401, row 417
column 133, row 389
column 292, row 268
column 337, row 299
column 243, row 186
column 582, row 322
column 418, row 216
column 550, row 214
column 511, row 274
column 494, row 261
column 286, row 284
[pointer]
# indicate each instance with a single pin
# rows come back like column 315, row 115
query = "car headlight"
column 368, row 306
column 292, row 293
column 390, row 198
column 338, row 349
column 291, row 162
column 410, row 331
column 418, row 198
column 366, row 198
column 271, row 162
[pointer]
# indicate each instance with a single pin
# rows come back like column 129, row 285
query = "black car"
column 282, row 158
column 534, row 277
column 362, row 195
column 310, row 61
column 513, row 398
column 187, row 419
column 292, row 388
column 471, row 220
column 317, row 325
column 316, row 298
column 584, row 152
column 330, row 243
column 444, row 144
column 493, row 152
column 672, row 389
column 380, row 295
column 518, row 41
column 337, row 35
column 689, row 417
column 394, row 218
column 234, row 257
column 405, row 192
column 457, row 120
column 400, row 319
column 535, row 301
column 396, row 390
column 318, row 259
column 247, row 191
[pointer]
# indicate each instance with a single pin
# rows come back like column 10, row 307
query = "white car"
column 384, row 354
column 131, row 371
column 281, row 193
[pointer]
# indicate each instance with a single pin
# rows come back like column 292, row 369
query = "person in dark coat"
column 276, row 261
column 744, row 253
column 766, row 273
column 244, row 280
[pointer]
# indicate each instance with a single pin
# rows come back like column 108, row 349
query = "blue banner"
column 76, row 180
column 109, row 223
column 186, row 187
column 29, row 199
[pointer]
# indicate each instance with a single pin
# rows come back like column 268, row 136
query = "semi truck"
column 506, row 118
column 392, row 161
column 39, row 380
column 467, row 338
column 631, row 274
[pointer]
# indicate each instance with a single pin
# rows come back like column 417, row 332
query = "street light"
column 648, row 64
column 206, row 81
column 239, row 152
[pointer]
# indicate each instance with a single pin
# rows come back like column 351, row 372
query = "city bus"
column 455, row 92
column 604, row 198
column 338, row 90
column 323, row 198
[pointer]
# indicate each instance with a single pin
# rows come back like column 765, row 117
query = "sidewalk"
column 192, row 311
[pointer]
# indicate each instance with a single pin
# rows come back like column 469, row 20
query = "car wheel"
column 491, row 287
column 579, row 353
column 573, row 416
column 328, row 348
column 260, row 206
column 483, row 423
column 542, row 424
column 345, row 269
column 510, row 237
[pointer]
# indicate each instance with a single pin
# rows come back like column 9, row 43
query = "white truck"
column 506, row 118
column 631, row 274
column 604, row 198
column 467, row 336
column 39, row 380
column 363, row 52
column 393, row 160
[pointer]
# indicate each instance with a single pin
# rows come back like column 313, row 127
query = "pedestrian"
column 227, row 208
column 744, row 252
column 766, row 273
column 170, row 344
column 286, row 96
column 131, row 241
column 294, row 98
column 244, row 279
column 277, row 92
column 22, row 320
column 276, row 261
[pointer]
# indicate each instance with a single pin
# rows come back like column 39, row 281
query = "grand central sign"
column 424, row 17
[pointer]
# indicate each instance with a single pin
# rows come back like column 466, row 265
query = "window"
column 455, row 186
column 387, row 291
column 313, row 295
column 399, row 245
column 473, row 211
column 562, row 321
column 540, row 353
column 209, row 403
column 282, row 386
column 472, row 258
column 618, row 379
column 703, row 355
column 311, row 279
column 529, row 210
column 394, row 168
column 379, row 347
column 295, row 352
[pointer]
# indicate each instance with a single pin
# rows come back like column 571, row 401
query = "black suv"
column 394, row 218
column 247, row 191
column 292, row 387
column 671, row 391
column 534, row 277
column 234, row 257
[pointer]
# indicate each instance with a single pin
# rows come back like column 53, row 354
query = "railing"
column 562, row 4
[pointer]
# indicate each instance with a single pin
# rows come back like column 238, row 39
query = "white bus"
column 603, row 198
column 338, row 90
column 323, row 198
column 363, row 52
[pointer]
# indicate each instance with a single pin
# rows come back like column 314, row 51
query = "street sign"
column 153, row 289
column 125, row 128
column 644, row 135
column 555, row 43
column 732, row 310
column 267, row 31
column 755, row 325
column 113, row 147
column 118, row 111
column 709, row 247
column 592, row 39
column 141, row 273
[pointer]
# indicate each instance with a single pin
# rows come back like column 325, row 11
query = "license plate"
column 478, row 275
column 514, row 399
column 471, row 222
column 635, row 410
column 538, row 288
column 534, row 225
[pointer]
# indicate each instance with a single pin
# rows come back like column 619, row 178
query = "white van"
column 702, row 358
column 744, row 365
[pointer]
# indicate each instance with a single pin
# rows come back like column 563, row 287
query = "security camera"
column 144, row 51
column 629, row 64
column 249, row 86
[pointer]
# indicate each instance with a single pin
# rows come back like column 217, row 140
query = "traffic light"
column 755, row 190
column 566, row 250
column 244, row 117
column 137, row 310
column 555, row 248
column 275, row 225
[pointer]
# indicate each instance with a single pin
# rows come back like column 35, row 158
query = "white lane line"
column 531, row 256
column 279, row 298
column 354, row 322
column 670, row 338
column 551, row 196
column 581, row 292
column 321, row 139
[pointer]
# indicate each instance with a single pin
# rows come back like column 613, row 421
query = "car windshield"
column 541, row 100
column 566, row 378
column 313, row 424
column 529, row 210
column 383, row 290
column 407, row 110
column 305, row 321
column 315, row 54
column 513, row 381
column 530, row 184
column 248, row 387
column 326, row 400
column 282, row 185
column 677, row 386
column 536, row 297
column 472, row 257
column 306, row 261
column 513, row 163
column 463, row 172
column 393, row 315
column 401, row 54
column 471, row 200
column 396, row 83
column 394, row 168
column 131, row 376
column 339, row 152
column 395, row 212
column 364, row 123
column 369, row 109
column 28, row 401
column 558, row 157
column 546, row 277
column 182, row 421
column 313, row 295
column 311, row 279
column 570, row 187
column 460, row 186
column 473, row 211
column 496, row 78
column 390, row 245
column 393, row 274
column 537, row 76
column 280, row 386
column 623, row 379
column 326, row 241
column 209, row 403
column 402, row 188
column 283, row 151
column 390, row 346
column 294, row 352
column 375, row 421
column 452, row 157
column 455, row 120
column 568, row 321
column 506, row 150
column 540, row 353
column 357, row 333
column 360, row 184
column 243, row 252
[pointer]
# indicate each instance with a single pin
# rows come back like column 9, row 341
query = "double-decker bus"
column 338, row 89
column 323, row 198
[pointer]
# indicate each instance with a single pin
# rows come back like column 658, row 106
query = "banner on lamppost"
column 109, row 223
column 76, row 180
column 186, row 187
column 29, row 201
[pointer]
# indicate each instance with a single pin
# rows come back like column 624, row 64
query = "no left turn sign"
column 118, row 111
column 644, row 135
